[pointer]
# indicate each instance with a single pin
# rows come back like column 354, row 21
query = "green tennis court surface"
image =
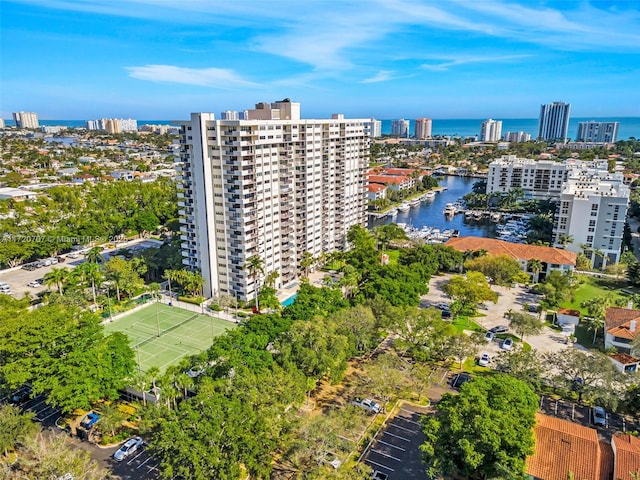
column 182, row 333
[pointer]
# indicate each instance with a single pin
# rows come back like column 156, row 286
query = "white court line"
column 396, row 436
column 402, row 428
column 385, row 454
column 379, row 465
column 391, row 445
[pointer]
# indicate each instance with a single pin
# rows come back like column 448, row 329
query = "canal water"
column 430, row 212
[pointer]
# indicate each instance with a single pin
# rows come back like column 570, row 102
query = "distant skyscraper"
column 400, row 128
column 490, row 130
column 128, row 125
column 422, row 128
column 26, row 119
column 373, row 128
column 597, row 132
column 111, row 125
column 94, row 125
column 1, row 122
column 554, row 121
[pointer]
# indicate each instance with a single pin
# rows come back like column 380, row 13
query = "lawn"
column 464, row 323
column 181, row 331
column 591, row 287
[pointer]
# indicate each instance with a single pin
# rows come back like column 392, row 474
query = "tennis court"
column 182, row 333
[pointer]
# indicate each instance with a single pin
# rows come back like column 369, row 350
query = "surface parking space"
column 395, row 452
column 141, row 465
column 44, row 414
column 583, row 415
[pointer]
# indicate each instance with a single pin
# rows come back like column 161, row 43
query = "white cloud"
column 381, row 76
column 444, row 62
column 205, row 77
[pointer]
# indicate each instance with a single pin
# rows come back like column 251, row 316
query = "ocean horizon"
column 464, row 127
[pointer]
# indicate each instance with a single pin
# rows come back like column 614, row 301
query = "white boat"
column 449, row 210
column 430, row 194
column 415, row 202
column 393, row 212
column 404, row 207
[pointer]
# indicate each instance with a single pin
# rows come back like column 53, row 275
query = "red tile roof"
column 518, row 251
column 618, row 322
column 376, row 187
column 568, row 311
column 388, row 179
column 627, row 456
column 563, row 447
column 606, row 461
column 624, row 359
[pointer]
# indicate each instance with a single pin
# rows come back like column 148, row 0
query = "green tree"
column 94, row 255
column 470, row 290
column 484, row 432
column 111, row 418
column 255, row 267
column 92, row 273
column 502, row 269
column 535, row 267
column 307, row 262
column 15, row 428
column 58, row 277
column 525, row 324
column 124, row 274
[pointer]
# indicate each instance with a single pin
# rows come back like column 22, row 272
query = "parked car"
column 443, row 306
column 507, row 344
column 460, row 379
column 21, row 395
column 378, row 475
column 130, row 446
column 499, row 329
column 34, row 284
column 60, row 259
column 489, row 336
column 368, row 404
column 446, row 314
column 484, row 360
column 89, row 420
column 599, row 416
column 73, row 255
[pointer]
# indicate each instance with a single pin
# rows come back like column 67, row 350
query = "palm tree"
column 94, row 255
column 565, row 239
column 255, row 267
column 116, row 277
column 91, row 272
column 534, row 266
column 154, row 373
column 168, row 276
column 307, row 262
column 593, row 325
column 57, row 277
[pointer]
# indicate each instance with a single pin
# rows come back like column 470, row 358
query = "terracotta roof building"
column 622, row 326
column 626, row 449
column 551, row 258
column 564, row 447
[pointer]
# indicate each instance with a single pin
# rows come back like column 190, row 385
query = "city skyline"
column 155, row 59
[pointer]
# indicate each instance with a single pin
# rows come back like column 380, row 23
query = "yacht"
column 415, row 202
column 449, row 210
column 404, row 207
column 430, row 194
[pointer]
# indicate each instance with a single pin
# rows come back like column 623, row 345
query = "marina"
column 442, row 215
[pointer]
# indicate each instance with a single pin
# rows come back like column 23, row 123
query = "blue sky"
column 161, row 59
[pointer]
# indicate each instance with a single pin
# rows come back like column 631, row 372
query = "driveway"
column 509, row 298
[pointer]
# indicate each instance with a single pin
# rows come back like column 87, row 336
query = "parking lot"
column 395, row 452
column 19, row 279
column 141, row 465
column 583, row 415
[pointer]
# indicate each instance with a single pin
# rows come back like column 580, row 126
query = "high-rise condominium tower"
column 597, row 132
column 490, row 130
column 400, row 128
column 26, row 119
column 422, row 128
column 554, row 121
column 269, row 187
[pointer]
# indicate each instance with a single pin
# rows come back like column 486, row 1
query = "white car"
column 127, row 448
column 33, row 284
column 368, row 404
column 507, row 344
column 484, row 360
column 489, row 336
column 73, row 255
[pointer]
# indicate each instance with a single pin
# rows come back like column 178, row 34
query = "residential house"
column 566, row 316
column 625, row 363
column 394, row 182
column 626, row 450
column 10, row 193
column 376, row 191
column 563, row 447
column 621, row 327
column 552, row 258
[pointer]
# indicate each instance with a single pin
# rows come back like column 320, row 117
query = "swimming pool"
column 289, row 301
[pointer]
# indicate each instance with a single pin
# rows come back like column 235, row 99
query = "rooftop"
column 518, row 251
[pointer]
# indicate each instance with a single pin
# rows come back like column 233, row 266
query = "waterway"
column 430, row 212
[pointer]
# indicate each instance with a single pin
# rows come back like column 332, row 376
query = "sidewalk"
column 202, row 309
